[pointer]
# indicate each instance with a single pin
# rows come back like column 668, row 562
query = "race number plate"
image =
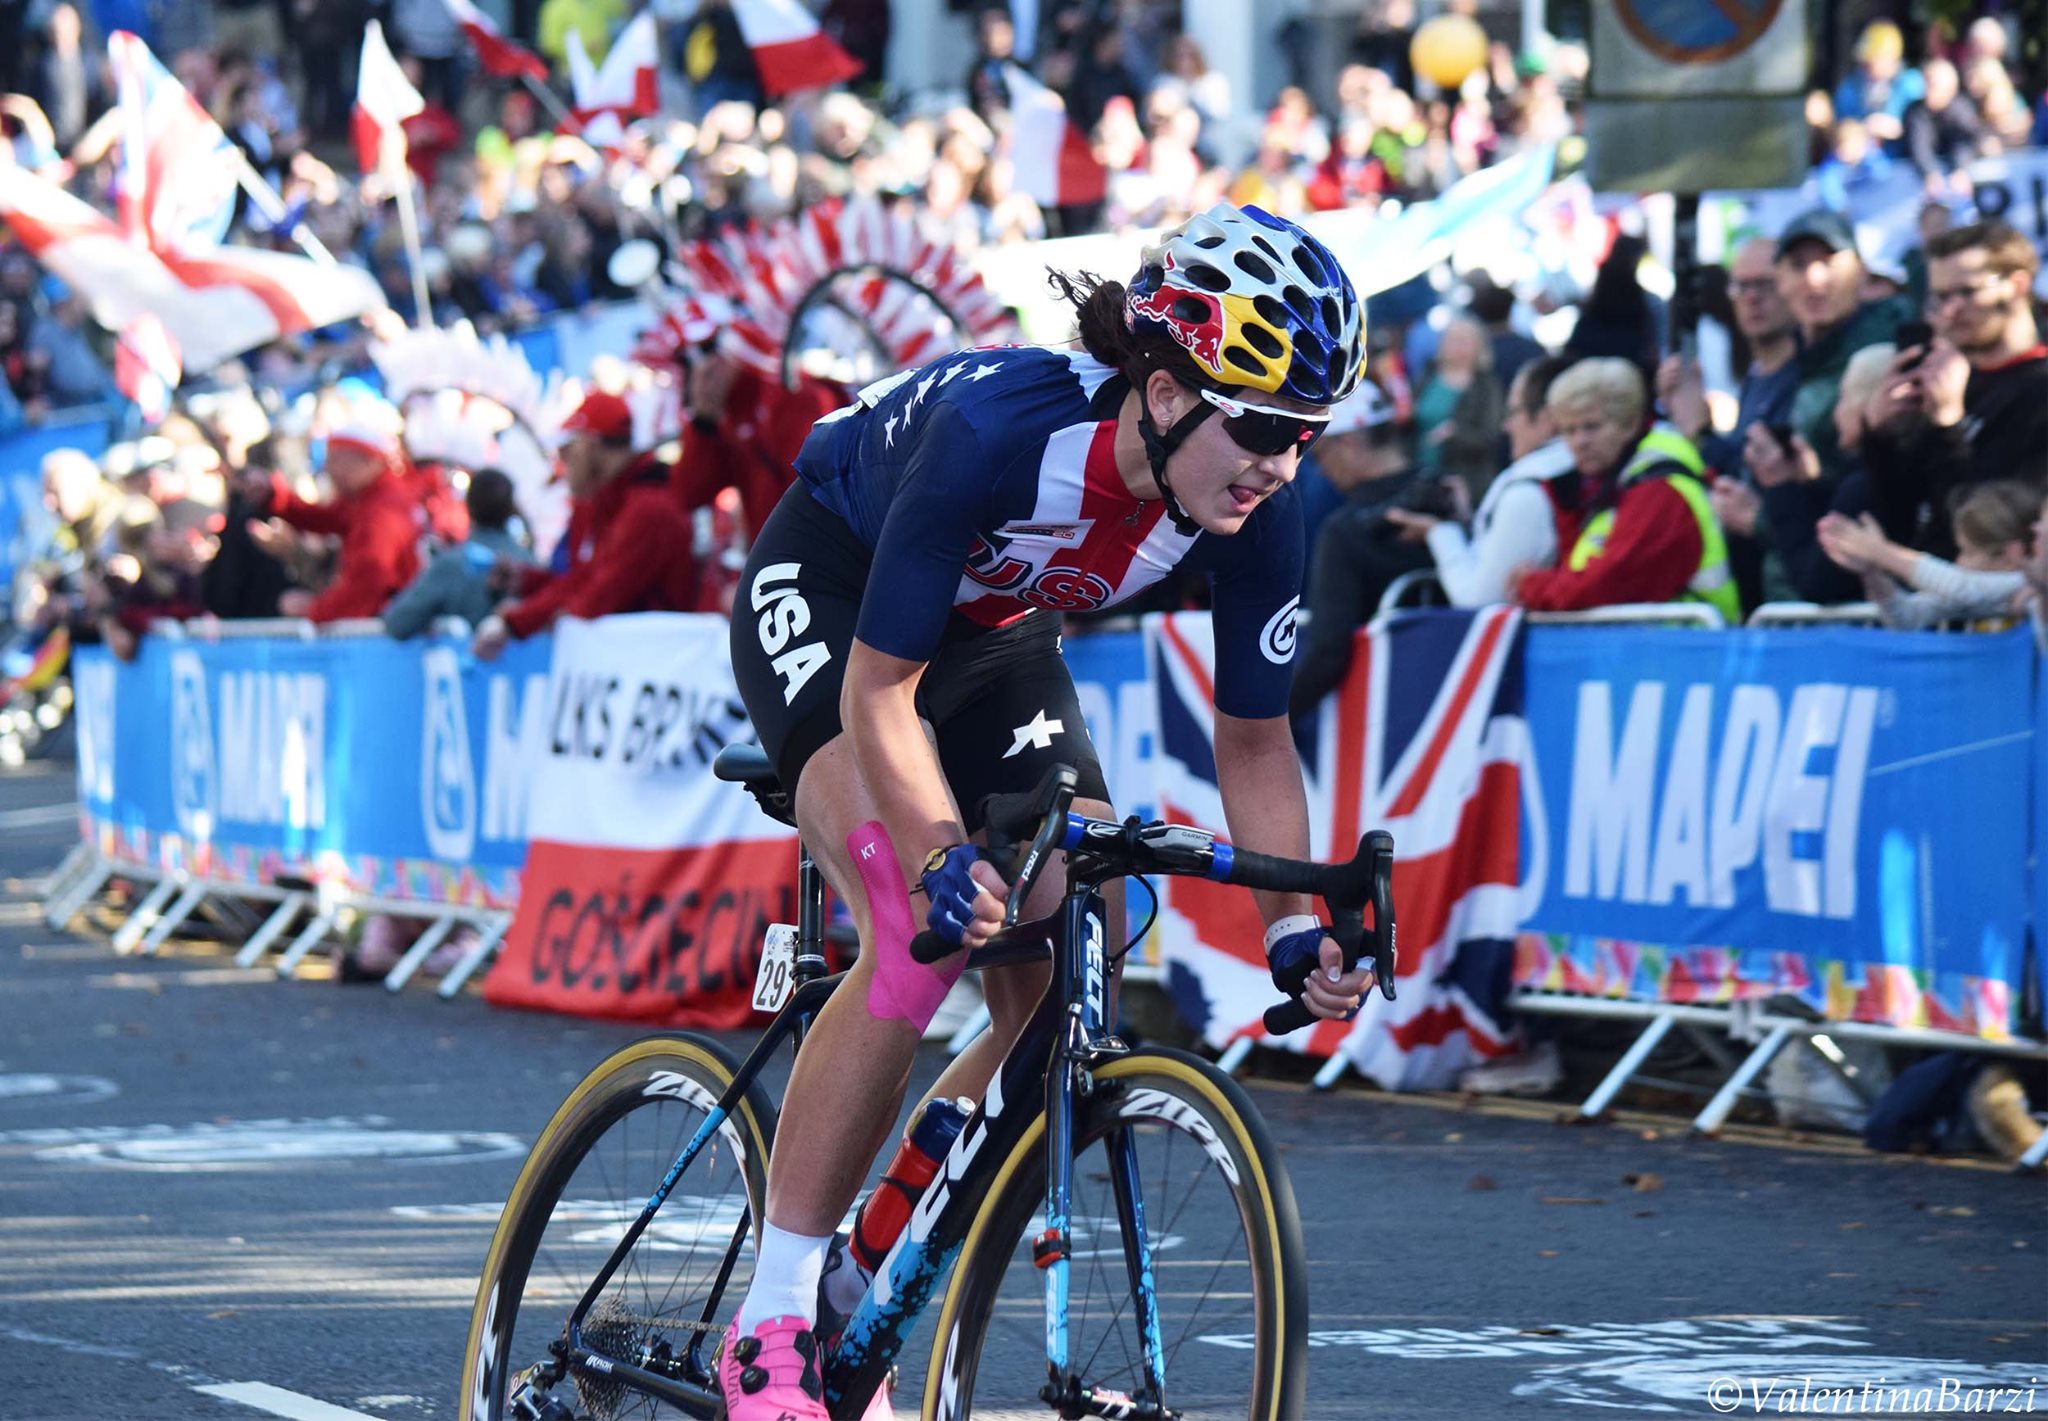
column 777, row 977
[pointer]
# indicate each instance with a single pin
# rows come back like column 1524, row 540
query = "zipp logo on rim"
column 677, row 1086
column 1146, row 1103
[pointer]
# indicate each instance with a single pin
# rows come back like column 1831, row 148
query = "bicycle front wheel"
column 589, row 1175
column 1227, row 1270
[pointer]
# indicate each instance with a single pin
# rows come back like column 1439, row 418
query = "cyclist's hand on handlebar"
column 966, row 894
column 1308, row 965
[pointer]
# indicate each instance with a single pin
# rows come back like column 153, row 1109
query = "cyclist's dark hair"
column 490, row 499
column 1099, row 316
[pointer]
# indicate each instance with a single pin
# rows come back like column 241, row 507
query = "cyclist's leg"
column 1002, row 719
column 1013, row 992
column 851, row 1074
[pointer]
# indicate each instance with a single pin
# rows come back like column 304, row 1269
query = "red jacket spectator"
column 1650, row 556
column 447, row 516
column 744, row 432
column 377, row 517
column 642, row 562
column 642, row 559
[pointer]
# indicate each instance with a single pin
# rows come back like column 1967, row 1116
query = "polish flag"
column 385, row 99
column 789, row 49
column 147, row 366
column 213, row 301
column 1054, row 165
column 498, row 56
column 611, row 95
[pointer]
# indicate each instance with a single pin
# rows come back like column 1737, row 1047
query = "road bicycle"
column 1112, row 1234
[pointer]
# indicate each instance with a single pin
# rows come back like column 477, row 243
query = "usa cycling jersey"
column 986, row 485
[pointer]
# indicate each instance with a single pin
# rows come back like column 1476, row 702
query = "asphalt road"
column 211, row 1179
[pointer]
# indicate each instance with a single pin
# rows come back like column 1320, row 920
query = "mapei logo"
column 448, row 797
column 1664, row 809
column 195, row 776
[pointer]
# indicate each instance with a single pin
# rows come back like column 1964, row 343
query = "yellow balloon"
column 1447, row 49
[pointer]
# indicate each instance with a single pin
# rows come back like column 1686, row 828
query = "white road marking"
column 42, row 816
column 279, row 1402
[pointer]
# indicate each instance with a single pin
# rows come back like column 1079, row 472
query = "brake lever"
column 1347, row 927
column 1057, row 792
column 1051, row 830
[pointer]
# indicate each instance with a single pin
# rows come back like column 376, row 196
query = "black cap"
column 1831, row 229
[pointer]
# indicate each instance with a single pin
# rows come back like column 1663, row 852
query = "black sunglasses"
column 1265, row 431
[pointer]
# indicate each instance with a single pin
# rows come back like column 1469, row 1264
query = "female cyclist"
column 897, row 642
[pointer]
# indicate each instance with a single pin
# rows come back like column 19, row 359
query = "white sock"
column 785, row 1278
column 846, row 1282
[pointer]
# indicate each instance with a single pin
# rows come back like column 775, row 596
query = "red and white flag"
column 385, row 99
column 611, row 95
column 214, row 301
column 1054, row 165
column 147, row 366
column 790, row 51
column 498, row 56
column 178, row 171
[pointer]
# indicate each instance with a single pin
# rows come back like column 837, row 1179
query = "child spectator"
column 1993, row 527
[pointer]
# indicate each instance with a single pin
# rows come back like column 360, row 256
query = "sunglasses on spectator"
column 1263, row 430
column 1761, row 286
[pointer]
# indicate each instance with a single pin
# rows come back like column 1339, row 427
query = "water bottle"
column 880, row 1222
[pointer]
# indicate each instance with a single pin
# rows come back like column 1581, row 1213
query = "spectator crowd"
column 1878, row 429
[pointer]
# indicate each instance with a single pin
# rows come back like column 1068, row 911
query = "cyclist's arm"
column 933, row 516
column 1259, row 775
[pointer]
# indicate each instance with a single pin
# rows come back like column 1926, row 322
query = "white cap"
column 1366, row 407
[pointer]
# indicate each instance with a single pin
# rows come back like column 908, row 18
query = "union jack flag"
column 178, row 170
column 1425, row 738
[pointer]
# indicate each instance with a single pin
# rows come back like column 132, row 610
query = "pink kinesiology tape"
column 902, row 988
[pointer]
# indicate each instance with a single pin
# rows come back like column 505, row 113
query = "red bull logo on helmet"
column 1202, row 339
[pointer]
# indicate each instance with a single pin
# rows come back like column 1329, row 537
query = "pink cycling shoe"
column 772, row 1373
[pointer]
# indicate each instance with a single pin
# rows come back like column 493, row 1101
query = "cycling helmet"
column 1256, row 301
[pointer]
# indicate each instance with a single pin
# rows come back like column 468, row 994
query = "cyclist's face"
column 1218, row 481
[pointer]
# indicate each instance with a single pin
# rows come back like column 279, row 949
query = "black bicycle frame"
column 1046, row 1067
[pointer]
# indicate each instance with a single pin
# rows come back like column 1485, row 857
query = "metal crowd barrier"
column 1766, row 1032
column 174, row 896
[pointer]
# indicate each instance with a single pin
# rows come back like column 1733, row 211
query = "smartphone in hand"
column 1915, row 336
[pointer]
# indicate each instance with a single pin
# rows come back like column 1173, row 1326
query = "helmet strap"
column 1159, row 448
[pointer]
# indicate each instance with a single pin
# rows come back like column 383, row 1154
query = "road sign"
column 1693, row 94
column 1691, row 32
column 1692, row 48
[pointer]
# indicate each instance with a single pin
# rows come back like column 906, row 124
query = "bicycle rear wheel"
column 1227, row 1266
column 587, row 1178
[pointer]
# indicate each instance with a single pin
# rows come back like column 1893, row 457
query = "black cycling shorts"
column 1000, row 700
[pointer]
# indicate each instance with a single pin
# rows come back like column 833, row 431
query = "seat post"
column 810, row 917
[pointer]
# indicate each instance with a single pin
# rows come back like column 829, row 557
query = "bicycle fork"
column 1085, row 1032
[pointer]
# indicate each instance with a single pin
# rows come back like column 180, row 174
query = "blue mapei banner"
column 1844, row 813
column 397, row 769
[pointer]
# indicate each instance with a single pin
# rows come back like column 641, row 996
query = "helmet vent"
column 1207, row 277
column 1265, row 342
column 1332, row 321
column 1251, row 264
column 1192, row 308
column 1270, row 311
column 1210, row 242
column 1244, row 360
column 1298, row 302
column 1310, row 267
